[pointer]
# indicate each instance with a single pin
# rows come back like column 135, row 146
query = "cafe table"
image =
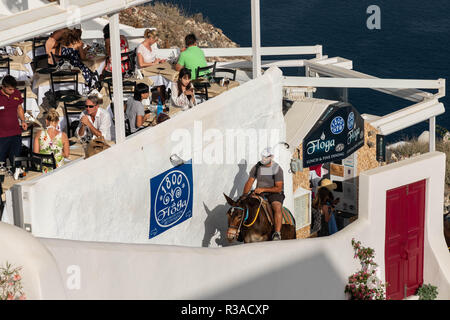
column 214, row 89
column 165, row 69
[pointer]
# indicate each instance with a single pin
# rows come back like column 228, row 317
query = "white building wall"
column 316, row 268
column 107, row 197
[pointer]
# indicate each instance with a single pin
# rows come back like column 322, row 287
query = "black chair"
column 207, row 68
column 56, row 58
column 24, row 97
column 66, row 77
column 27, row 135
column 232, row 73
column 201, row 89
column 38, row 160
column 130, row 58
column 127, row 127
column 72, row 108
column 2, row 203
column 22, row 159
column 40, row 61
column 5, row 64
column 128, row 87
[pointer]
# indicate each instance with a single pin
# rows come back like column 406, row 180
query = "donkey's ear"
column 229, row 200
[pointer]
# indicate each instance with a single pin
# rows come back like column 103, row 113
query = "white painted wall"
column 107, row 197
column 431, row 167
column 316, row 268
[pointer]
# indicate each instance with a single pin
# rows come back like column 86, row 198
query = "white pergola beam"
column 46, row 19
column 338, row 72
column 256, row 39
column 362, row 83
column 117, row 78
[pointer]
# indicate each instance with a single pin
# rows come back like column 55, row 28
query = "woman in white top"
column 147, row 50
column 183, row 95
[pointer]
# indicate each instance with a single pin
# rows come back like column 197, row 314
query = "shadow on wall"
column 216, row 221
column 311, row 278
column 16, row 5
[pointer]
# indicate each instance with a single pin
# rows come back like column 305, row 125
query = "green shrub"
column 427, row 292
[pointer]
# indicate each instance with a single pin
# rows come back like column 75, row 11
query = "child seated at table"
column 51, row 140
column 183, row 95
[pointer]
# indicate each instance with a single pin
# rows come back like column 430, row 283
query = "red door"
column 405, row 218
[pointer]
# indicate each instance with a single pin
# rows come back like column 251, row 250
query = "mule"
column 250, row 219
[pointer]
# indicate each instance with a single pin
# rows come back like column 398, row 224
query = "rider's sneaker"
column 276, row 236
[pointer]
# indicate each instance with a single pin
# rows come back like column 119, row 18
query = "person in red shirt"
column 10, row 112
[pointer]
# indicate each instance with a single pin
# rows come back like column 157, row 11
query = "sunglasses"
column 89, row 106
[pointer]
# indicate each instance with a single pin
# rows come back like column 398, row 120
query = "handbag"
column 95, row 146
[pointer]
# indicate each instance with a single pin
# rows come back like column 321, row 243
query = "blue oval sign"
column 337, row 125
column 350, row 120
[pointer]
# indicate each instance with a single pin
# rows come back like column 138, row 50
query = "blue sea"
column 413, row 42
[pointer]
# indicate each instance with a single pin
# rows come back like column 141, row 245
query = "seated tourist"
column 147, row 56
column 95, row 121
column 147, row 50
column 73, row 51
column 51, row 140
column 192, row 57
column 53, row 45
column 183, row 95
column 123, row 49
column 135, row 109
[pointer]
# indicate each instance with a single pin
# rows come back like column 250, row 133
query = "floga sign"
column 337, row 134
column 171, row 198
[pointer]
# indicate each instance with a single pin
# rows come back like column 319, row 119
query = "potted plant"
column 10, row 283
column 427, row 292
column 365, row 284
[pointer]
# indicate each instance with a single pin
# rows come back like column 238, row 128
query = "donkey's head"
column 238, row 213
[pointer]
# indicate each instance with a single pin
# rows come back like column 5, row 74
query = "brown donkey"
column 250, row 219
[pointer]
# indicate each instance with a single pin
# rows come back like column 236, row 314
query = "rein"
column 243, row 220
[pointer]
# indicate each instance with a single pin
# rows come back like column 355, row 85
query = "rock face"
column 173, row 25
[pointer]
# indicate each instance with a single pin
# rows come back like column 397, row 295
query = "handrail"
column 247, row 51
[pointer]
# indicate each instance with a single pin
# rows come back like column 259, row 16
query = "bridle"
column 243, row 220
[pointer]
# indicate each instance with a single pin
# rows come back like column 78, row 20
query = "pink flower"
column 10, row 297
column 17, row 277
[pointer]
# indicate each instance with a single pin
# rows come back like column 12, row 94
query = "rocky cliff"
column 172, row 25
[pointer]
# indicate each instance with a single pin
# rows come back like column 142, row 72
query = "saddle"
column 287, row 217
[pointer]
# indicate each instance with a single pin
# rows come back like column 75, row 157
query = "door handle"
column 405, row 254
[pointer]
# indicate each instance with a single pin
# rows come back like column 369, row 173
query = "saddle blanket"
column 288, row 218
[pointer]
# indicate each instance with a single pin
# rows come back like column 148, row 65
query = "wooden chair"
column 5, row 64
column 38, row 60
column 24, row 96
column 67, row 77
column 128, row 87
column 232, row 73
column 201, row 89
column 72, row 108
column 207, row 68
column 2, row 203
column 38, row 160
column 130, row 58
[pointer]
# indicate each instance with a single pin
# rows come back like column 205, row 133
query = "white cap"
column 267, row 152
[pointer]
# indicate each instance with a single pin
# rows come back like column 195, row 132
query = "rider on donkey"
column 269, row 176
